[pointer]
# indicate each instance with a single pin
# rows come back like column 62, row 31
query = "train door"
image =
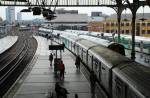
column 76, row 49
column 97, row 67
column 119, row 88
column 70, row 45
column 105, row 76
column 80, row 52
column 73, row 47
column 90, row 61
column 84, row 56
column 131, row 94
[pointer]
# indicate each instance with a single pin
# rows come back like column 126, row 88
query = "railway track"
column 13, row 62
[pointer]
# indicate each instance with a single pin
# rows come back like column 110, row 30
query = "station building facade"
column 110, row 25
column 69, row 19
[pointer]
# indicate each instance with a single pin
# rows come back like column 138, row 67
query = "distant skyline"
column 83, row 10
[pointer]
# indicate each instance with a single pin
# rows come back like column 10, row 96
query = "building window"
column 107, row 24
column 143, row 31
column 116, row 24
column 137, row 24
column 127, row 24
column 122, row 31
column 127, row 31
column 148, row 24
column 143, row 24
column 107, row 31
column 122, row 24
column 112, row 24
column 148, row 32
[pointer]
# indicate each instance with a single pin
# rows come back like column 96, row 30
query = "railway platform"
column 7, row 42
column 38, row 81
column 140, row 58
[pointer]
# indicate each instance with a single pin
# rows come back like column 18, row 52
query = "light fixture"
column 26, row 10
column 36, row 11
column 51, row 17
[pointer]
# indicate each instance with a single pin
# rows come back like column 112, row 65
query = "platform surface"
column 40, row 80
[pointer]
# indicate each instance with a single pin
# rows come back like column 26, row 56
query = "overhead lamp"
column 36, row 11
column 51, row 17
column 26, row 10
column 45, row 13
column 142, row 19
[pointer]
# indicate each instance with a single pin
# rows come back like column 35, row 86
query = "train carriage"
column 118, row 76
column 107, row 59
column 84, row 55
column 131, row 80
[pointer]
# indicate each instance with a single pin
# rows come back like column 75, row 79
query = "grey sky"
column 85, row 10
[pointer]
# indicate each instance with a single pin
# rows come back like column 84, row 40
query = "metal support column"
column 119, row 22
column 119, row 10
column 134, row 9
column 133, row 35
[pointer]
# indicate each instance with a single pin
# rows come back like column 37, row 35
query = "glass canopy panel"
column 61, row 2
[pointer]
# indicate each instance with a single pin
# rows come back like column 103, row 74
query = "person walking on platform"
column 92, row 83
column 51, row 59
column 77, row 62
column 62, row 70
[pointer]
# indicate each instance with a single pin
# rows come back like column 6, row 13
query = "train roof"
column 86, row 44
column 77, row 31
column 96, row 40
column 135, row 75
column 109, row 57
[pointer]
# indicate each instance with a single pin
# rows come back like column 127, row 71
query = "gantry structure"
column 118, row 5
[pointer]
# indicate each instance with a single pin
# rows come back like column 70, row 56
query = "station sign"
column 56, row 47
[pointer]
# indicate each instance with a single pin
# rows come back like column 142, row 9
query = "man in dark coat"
column 51, row 59
column 77, row 62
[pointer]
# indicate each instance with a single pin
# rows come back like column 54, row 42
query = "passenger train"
column 117, row 75
column 142, row 44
